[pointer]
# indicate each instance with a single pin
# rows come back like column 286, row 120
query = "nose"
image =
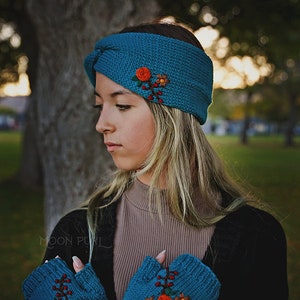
column 104, row 123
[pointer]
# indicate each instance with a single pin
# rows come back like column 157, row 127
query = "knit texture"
column 186, row 278
column 54, row 280
column 160, row 69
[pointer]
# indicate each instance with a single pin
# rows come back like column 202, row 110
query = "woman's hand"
column 78, row 264
column 54, row 279
column 186, row 277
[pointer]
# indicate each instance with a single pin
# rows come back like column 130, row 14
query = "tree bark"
column 72, row 153
column 292, row 120
column 247, row 120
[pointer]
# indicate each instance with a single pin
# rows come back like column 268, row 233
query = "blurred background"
column 50, row 155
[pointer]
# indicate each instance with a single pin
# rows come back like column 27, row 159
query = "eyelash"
column 121, row 107
column 98, row 106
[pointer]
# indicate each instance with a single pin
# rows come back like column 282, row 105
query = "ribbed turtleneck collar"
column 137, row 195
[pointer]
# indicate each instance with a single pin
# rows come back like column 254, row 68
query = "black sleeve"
column 268, row 274
column 250, row 257
column 69, row 238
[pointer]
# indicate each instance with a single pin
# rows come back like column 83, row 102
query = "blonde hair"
column 194, row 174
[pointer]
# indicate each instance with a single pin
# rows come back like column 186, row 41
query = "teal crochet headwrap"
column 158, row 68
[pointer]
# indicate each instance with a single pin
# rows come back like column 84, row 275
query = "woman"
column 153, row 85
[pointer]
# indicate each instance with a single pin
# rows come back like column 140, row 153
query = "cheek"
column 142, row 135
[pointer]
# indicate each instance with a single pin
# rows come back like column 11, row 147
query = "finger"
column 161, row 257
column 77, row 264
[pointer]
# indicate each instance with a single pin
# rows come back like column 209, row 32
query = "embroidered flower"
column 162, row 80
column 143, row 77
column 143, row 74
column 182, row 297
column 164, row 297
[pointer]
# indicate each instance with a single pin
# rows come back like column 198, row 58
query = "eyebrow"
column 114, row 94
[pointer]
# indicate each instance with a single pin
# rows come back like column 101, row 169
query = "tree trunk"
column 72, row 154
column 247, row 120
column 292, row 121
column 30, row 171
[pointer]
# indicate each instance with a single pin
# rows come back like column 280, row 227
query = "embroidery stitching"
column 62, row 288
column 166, row 282
column 144, row 79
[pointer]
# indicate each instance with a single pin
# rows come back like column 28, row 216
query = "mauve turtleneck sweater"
column 140, row 232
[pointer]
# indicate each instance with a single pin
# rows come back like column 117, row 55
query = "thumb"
column 161, row 257
column 77, row 264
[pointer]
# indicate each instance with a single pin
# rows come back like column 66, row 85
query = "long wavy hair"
column 194, row 175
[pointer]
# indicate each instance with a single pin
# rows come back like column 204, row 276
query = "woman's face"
column 126, row 123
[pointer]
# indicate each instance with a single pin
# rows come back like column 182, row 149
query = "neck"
column 146, row 178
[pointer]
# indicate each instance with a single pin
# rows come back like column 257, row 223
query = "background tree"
column 72, row 154
column 10, row 50
column 271, row 107
column 18, row 39
column 270, row 28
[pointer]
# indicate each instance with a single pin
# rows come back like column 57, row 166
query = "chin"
column 125, row 168
column 125, row 165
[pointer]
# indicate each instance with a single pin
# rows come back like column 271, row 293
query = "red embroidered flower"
column 164, row 297
column 143, row 74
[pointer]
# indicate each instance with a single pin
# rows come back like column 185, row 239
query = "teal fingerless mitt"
column 186, row 278
column 54, row 280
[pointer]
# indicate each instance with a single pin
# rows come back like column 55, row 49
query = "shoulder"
column 75, row 222
column 247, row 237
column 69, row 237
column 248, row 230
column 72, row 222
column 74, row 216
column 255, row 220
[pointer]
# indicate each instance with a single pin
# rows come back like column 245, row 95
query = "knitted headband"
column 158, row 68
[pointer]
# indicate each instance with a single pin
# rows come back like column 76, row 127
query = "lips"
column 111, row 147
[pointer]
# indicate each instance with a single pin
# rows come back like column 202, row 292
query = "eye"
column 98, row 107
column 123, row 107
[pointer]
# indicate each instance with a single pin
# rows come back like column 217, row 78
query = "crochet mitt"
column 54, row 280
column 187, row 278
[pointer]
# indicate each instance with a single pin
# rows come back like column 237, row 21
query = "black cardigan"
column 247, row 252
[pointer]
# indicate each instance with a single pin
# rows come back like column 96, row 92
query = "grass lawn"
column 271, row 169
column 273, row 172
column 21, row 222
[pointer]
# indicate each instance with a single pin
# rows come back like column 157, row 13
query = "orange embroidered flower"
column 182, row 297
column 143, row 74
column 162, row 80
